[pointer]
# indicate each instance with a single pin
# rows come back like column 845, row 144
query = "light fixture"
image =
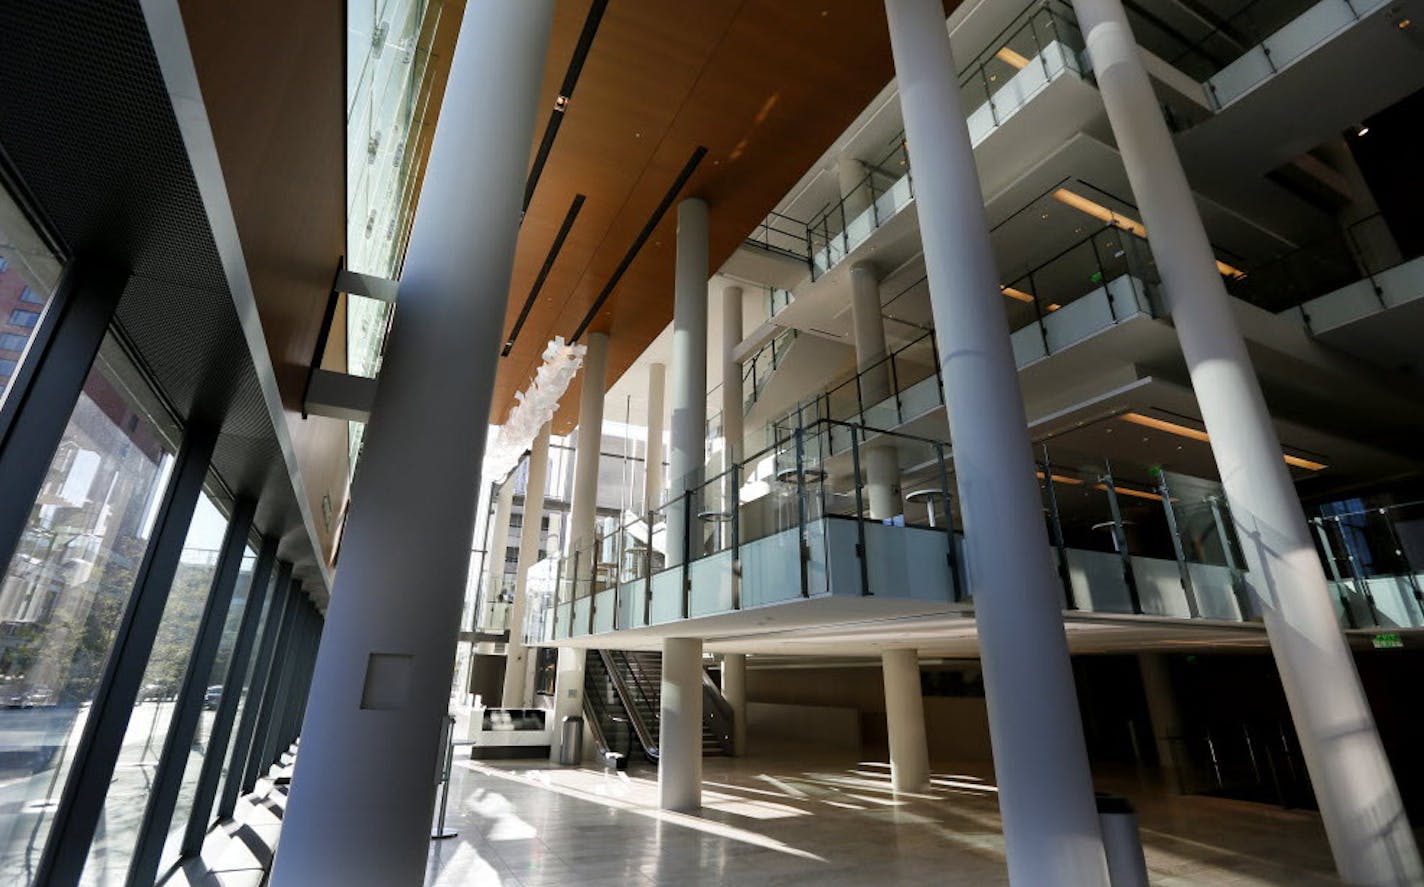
column 1197, row 434
column 1361, row 130
column 1011, row 58
column 561, row 103
column 1012, row 293
column 1404, row 24
column 1102, row 213
column 1059, row 479
column 1129, row 491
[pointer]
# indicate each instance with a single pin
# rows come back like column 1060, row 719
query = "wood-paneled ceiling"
column 764, row 85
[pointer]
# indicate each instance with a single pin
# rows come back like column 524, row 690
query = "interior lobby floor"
column 782, row 819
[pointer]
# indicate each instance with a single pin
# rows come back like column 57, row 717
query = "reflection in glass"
column 113, row 846
column 29, row 273
column 62, row 597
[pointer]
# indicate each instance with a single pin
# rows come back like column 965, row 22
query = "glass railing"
column 1096, row 283
column 1037, row 47
column 782, row 234
column 1364, row 250
column 777, row 299
column 833, row 508
column 757, row 371
column 1374, row 559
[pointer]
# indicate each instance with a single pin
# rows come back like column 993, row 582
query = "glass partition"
column 63, row 593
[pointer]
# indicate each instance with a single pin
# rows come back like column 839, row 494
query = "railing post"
column 1356, row 573
column 956, row 584
column 1183, row 570
column 803, row 553
column 686, row 552
column 735, row 498
column 648, row 571
column 1055, row 526
column 1120, row 538
column 860, row 551
column 1103, row 272
column 1229, row 553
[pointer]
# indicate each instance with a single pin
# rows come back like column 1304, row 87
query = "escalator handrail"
column 649, row 743
column 720, row 713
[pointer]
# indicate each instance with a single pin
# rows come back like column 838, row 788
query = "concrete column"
column 689, row 366
column 850, row 176
column 734, row 689
column 680, row 734
column 880, row 466
column 381, row 683
column 1162, row 709
column 583, row 515
column 498, row 541
column 583, row 507
column 1046, row 799
column 732, row 395
column 653, row 483
column 514, row 694
column 1359, row 802
column 905, row 721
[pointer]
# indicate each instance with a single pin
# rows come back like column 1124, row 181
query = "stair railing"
column 717, row 714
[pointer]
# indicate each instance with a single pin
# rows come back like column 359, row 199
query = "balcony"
column 1375, row 560
column 1037, row 49
column 786, row 535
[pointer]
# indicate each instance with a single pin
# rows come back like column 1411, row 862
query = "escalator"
column 622, row 701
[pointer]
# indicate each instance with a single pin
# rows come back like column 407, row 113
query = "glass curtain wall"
column 63, row 593
column 192, row 763
column 133, row 777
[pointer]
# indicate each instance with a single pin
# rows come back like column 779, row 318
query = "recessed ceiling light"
column 1362, row 130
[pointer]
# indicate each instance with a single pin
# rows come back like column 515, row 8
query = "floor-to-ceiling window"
column 132, row 781
column 29, row 273
column 65, row 589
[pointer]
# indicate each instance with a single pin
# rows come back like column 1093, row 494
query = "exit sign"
column 1390, row 641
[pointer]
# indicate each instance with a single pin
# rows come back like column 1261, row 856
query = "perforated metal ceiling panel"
column 87, row 124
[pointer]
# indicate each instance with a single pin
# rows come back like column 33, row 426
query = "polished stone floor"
column 781, row 819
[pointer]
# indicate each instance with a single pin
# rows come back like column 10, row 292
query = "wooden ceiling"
column 765, row 85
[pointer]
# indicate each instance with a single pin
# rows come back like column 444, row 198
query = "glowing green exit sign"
column 1389, row 641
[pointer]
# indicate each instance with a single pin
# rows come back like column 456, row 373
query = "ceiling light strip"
column 1103, row 214
column 688, row 169
column 554, row 248
column 1197, row 434
column 561, row 101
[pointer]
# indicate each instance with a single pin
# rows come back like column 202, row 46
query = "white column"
column 880, row 466
column 850, row 176
column 381, row 683
column 905, row 721
column 680, row 734
column 653, row 483
column 734, row 690
column 1046, row 799
column 515, row 694
column 496, row 544
column 689, row 367
column 583, row 515
column 1162, row 709
column 1359, row 802
column 732, row 399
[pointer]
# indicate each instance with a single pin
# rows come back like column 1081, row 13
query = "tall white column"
column 653, row 478
column 1359, row 802
column 515, row 694
column 732, row 395
column 381, row 683
column 689, row 367
column 880, row 468
column 905, row 721
column 1162, row 709
column 680, row 733
column 1046, row 799
column 583, row 516
column 734, row 690
column 498, row 541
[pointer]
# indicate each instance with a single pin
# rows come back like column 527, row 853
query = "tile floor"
column 775, row 819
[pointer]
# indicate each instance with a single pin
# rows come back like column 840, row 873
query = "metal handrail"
column 719, row 715
column 635, row 718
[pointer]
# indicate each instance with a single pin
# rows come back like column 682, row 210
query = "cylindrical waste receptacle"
column 571, row 740
column 1127, row 867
